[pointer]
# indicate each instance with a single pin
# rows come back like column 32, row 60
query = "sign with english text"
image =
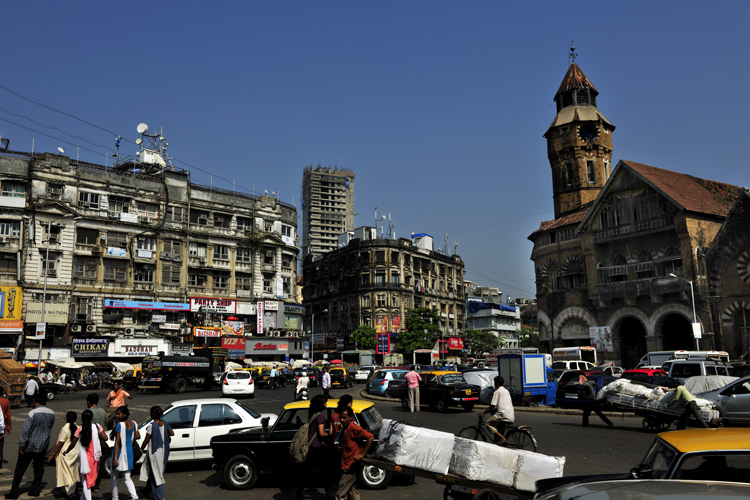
column 235, row 346
column 89, row 348
column 206, row 332
column 220, row 306
column 384, row 343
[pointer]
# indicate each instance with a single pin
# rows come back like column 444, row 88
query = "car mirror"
column 642, row 472
column 264, row 422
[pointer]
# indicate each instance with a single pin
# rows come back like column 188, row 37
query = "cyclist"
column 501, row 409
column 272, row 382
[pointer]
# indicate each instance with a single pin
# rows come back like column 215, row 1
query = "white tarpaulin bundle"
column 417, row 447
column 698, row 385
column 485, row 380
column 480, row 461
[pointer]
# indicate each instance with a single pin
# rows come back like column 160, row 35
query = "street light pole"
column 692, row 294
column 312, row 334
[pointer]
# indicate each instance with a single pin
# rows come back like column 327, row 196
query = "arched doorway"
column 677, row 333
column 632, row 341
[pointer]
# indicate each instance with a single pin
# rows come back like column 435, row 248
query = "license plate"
column 571, row 396
column 468, row 392
column 462, row 489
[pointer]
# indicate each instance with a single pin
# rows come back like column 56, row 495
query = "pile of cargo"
column 12, row 378
column 444, row 453
column 632, row 394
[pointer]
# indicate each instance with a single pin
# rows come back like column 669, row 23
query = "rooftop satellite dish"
column 61, row 150
column 139, row 141
column 142, row 128
column 266, row 191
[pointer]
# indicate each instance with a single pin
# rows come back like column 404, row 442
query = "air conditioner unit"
column 3, row 239
column 90, row 328
column 51, row 272
column 277, row 333
column 203, row 217
column 83, row 203
column 55, row 191
column 129, row 331
column 202, row 260
column 75, row 328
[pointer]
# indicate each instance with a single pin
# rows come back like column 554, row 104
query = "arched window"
column 645, row 267
column 671, row 263
column 554, row 278
column 619, row 271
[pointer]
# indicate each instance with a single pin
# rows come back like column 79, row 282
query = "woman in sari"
column 89, row 451
column 67, row 465
column 156, row 448
column 124, row 434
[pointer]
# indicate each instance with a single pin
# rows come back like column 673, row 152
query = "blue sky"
column 438, row 107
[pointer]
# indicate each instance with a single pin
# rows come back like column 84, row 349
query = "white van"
column 683, row 369
column 657, row 358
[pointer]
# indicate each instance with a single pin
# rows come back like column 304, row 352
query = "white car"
column 196, row 421
column 363, row 373
column 237, row 383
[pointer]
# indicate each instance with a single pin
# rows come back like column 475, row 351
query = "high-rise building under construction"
column 327, row 207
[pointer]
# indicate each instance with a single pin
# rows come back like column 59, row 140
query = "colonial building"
column 138, row 251
column 622, row 248
column 371, row 281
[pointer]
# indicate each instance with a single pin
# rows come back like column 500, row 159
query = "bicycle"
column 517, row 437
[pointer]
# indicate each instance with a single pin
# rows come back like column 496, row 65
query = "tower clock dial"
column 587, row 132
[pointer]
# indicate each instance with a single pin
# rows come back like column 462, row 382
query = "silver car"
column 732, row 400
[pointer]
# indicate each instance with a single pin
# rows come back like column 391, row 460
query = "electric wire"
column 51, row 136
column 501, row 222
column 524, row 291
column 494, row 271
column 55, row 128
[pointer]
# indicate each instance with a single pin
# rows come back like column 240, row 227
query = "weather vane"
column 572, row 54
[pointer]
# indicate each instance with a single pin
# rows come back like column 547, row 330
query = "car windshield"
column 249, row 410
column 398, row 375
column 371, row 419
column 660, row 458
column 559, row 365
column 453, row 378
column 238, row 376
column 129, row 373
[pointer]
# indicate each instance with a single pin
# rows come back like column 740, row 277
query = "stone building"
column 618, row 237
column 327, row 207
column 372, row 281
column 138, row 251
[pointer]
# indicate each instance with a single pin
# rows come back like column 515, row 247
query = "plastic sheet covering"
column 698, row 385
column 534, row 466
column 409, row 446
column 485, row 380
column 485, row 397
column 480, row 461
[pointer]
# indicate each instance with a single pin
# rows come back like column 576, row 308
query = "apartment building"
column 327, row 207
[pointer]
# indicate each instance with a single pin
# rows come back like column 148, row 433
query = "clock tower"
column 579, row 144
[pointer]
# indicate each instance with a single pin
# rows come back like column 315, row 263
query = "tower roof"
column 574, row 79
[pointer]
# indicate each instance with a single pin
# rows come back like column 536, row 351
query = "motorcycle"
column 302, row 395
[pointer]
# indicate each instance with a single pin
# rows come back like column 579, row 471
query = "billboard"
column 601, row 338
column 455, row 343
column 53, row 313
column 213, row 305
column 396, row 323
column 89, row 348
column 232, row 328
column 384, row 344
column 11, row 300
column 235, row 346
column 381, row 324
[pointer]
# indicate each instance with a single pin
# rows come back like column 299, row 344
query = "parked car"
column 643, row 372
column 613, row 371
column 683, row 369
column 647, row 489
column 341, row 377
column 381, row 380
column 571, row 394
column 574, row 374
column 443, row 389
column 732, row 400
column 243, row 456
column 237, row 383
column 131, row 378
column 693, row 454
column 573, row 365
column 740, row 370
column 196, row 421
column 394, row 386
column 363, row 373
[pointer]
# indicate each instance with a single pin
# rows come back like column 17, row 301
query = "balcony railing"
column 636, row 227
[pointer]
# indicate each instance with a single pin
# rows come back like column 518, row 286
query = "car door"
column 215, row 419
column 182, row 420
column 280, row 438
column 736, row 401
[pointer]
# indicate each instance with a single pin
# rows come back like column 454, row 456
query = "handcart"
column 456, row 487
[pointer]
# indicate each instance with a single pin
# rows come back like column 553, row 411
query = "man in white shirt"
column 326, row 382
column 501, row 409
column 32, row 387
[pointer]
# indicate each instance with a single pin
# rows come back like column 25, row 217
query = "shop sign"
column 158, row 318
column 260, row 346
column 138, row 350
column 182, row 348
column 288, row 309
column 246, row 308
column 232, row 328
column 89, row 348
column 234, row 345
column 117, row 252
column 384, row 343
column 53, row 313
column 144, row 254
column 9, row 350
column 271, row 305
column 11, row 326
column 455, row 343
column 128, row 217
column 206, row 332
column 340, row 343
column 154, row 306
column 41, row 331
column 11, row 301
column 260, row 318
column 221, row 306
column 169, row 326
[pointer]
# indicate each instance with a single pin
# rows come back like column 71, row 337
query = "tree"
column 422, row 329
column 364, row 336
column 528, row 337
column 482, row 341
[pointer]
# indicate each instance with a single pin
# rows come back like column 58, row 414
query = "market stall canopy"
column 123, row 367
column 335, row 361
column 233, row 366
column 69, row 363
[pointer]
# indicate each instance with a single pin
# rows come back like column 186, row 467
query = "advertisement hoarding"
column 53, row 313
column 206, row 332
column 235, row 346
column 208, row 304
column 384, row 343
column 89, row 348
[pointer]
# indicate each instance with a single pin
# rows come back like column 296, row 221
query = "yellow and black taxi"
column 131, row 378
column 241, row 457
column 441, row 389
column 688, row 455
column 341, row 376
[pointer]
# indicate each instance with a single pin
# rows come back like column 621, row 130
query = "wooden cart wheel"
column 486, row 495
column 651, row 424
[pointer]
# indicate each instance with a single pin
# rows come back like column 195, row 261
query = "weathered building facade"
column 623, row 244
column 327, row 207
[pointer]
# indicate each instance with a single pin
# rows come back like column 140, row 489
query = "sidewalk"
column 539, row 409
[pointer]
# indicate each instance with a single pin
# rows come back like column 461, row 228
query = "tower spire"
column 572, row 56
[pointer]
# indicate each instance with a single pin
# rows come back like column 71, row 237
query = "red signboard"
column 455, row 343
column 235, row 346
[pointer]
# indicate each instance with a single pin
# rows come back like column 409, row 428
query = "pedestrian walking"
column 501, row 409
column 691, row 407
column 124, row 435
column 156, row 448
column 66, row 465
column 326, row 383
column 351, row 453
column 345, row 401
column 100, row 418
column 115, row 399
column 592, row 403
column 272, row 380
column 32, row 447
column 31, row 390
column 413, row 379
column 5, row 407
column 318, row 451
column 88, row 437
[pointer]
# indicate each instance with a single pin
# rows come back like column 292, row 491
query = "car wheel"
column 441, row 405
column 372, row 478
column 468, row 406
column 240, row 473
column 180, row 385
column 405, row 403
column 107, row 473
column 50, row 395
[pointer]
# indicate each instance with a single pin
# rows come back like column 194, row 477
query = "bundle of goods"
column 442, row 452
column 12, row 378
column 626, row 393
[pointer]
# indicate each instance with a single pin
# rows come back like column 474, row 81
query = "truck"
column 583, row 353
column 176, row 373
column 529, row 378
column 425, row 357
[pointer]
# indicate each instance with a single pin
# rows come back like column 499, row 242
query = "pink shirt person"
column 413, row 379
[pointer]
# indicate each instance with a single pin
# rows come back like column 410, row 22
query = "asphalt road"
column 591, row 450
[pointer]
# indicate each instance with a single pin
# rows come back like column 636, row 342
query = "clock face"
column 587, row 132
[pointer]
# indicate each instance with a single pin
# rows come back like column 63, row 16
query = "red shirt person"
column 352, row 451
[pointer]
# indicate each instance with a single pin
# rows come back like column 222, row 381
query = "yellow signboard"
column 11, row 303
